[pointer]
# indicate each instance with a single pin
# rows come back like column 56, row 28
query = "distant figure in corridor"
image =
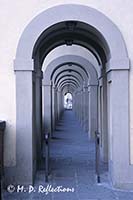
column 68, row 101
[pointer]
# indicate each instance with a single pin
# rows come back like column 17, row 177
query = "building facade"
column 51, row 48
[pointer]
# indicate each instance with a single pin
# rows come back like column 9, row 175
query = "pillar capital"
column 91, row 86
column 85, row 88
column 100, row 81
column 118, row 64
column 54, row 86
column 46, row 84
column 39, row 74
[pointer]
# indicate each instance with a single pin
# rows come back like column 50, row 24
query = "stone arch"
column 66, row 83
column 72, row 81
column 78, row 60
column 68, row 76
column 117, row 67
column 90, row 74
column 70, row 12
column 72, row 50
column 68, row 70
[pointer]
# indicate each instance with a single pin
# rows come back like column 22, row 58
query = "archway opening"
column 91, row 31
column 68, row 33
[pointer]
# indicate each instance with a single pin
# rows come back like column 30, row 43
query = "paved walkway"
column 72, row 168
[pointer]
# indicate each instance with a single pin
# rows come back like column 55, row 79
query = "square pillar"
column 47, row 108
column 102, row 128
column 53, row 108
column 121, row 171
column 38, row 115
column 25, row 153
column 59, row 97
column 86, row 108
column 93, row 110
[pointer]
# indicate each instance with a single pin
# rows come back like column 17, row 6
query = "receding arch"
column 67, row 82
column 66, row 64
column 71, row 50
column 66, row 75
column 117, row 67
column 65, row 78
column 77, row 60
column 68, row 72
column 70, row 12
column 69, row 33
column 70, row 68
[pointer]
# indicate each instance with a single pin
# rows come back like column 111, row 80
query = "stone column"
column 118, row 128
column 88, row 121
column 38, row 96
column 76, row 100
column 81, row 106
column 59, row 106
column 85, row 108
column 73, row 103
column 53, row 107
column 93, row 111
column 25, row 128
column 102, row 128
column 47, row 108
column 61, row 102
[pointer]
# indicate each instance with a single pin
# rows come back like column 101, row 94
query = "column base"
column 14, row 177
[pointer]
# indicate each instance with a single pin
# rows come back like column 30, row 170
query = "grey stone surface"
column 73, row 165
column 24, row 128
column 99, row 26
column 70, row 12
column 75, row 60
